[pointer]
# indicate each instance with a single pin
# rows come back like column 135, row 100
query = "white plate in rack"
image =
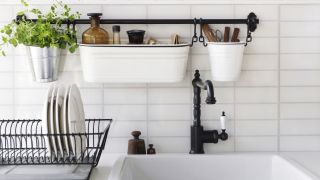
column 54, row 129
column 64, row 121
column 46, row 119
column 76, row 120
column 52, row 124
column 51, row 121
column 59, row 119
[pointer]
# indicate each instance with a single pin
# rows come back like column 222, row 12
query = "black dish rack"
column 22, row 142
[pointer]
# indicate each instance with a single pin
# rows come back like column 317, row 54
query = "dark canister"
column 136, row 145
column 136, row 36
column 151, row 149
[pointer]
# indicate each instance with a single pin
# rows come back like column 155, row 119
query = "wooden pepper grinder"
column 136, row 145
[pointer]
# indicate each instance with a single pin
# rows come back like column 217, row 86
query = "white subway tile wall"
column 299, row 78
column 275, row 105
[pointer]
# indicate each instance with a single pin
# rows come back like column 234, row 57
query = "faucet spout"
column 207, row 85
column 210, row 92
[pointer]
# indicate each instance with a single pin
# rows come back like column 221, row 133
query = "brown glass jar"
column 95, row 34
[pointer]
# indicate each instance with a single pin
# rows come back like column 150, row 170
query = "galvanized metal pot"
column 44, row 63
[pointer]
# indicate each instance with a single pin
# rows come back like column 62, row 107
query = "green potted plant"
column 43, row 38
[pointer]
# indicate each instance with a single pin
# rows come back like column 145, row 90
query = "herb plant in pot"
column 43, row 38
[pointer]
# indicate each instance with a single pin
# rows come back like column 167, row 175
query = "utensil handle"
column 235, row 35
column 208, row 33
column 226, row 34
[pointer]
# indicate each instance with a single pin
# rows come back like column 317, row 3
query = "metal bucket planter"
column 44, row 63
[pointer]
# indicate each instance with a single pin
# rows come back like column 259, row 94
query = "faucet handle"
column 223, row 135
column 223, row 119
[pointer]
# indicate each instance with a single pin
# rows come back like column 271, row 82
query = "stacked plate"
column 62, row 115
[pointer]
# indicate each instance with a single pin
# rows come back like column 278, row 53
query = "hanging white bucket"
column 226, row 60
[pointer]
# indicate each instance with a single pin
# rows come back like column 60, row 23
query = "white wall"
column 275, row 106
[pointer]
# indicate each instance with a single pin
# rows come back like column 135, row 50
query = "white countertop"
column 309, row 160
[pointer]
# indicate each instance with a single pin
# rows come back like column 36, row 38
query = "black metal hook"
column 195, row 36
column 249, row 37
column 252, row 22
column 74, row 25
column 20, row 18
column 201, row 37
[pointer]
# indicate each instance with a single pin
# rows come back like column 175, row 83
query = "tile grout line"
column 147, row 114
column 103, row 84
column 13, row 85
column 279, row 109
column 235, row 120
column 14, row 92
column 103, row 104
column 147, row 90
column 234, row 104
column 190, row 72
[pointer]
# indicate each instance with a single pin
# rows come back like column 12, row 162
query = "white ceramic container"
column 134, row 63
column 208, row 167
column 226, row 60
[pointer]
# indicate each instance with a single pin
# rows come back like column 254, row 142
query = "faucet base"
column 194, row 152
column 200, row 136
column 196, row 140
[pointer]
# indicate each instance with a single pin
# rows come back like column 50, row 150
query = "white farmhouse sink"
column 208, row 167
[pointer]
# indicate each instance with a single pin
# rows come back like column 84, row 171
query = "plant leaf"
column 42, row 33
column 24, row 3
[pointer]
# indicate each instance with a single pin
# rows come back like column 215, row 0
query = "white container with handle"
column 226, row 60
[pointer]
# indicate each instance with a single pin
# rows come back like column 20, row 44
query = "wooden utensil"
column 235, row 35
column 175, row 39
column 208, row 33
column 226, row 34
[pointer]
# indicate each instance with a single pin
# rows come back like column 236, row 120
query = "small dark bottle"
column 136, row 145
column 151, row 149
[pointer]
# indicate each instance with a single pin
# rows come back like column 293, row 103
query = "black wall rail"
column 251, row 22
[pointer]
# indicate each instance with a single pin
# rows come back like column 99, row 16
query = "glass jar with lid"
column 95, row 34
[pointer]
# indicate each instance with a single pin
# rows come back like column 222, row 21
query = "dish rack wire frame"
column 22, row 142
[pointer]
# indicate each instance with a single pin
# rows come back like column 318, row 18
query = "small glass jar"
column 116, row 34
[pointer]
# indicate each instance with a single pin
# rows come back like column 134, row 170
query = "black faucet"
column 198, row 135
